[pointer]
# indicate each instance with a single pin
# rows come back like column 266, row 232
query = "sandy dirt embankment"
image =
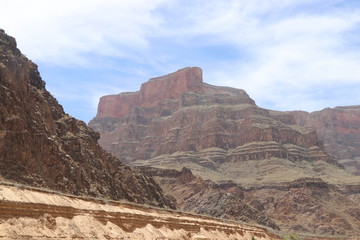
column 28, row 213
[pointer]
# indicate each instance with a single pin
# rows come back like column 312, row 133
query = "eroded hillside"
column 306, row 205
column 41, row 145
column 246, row 162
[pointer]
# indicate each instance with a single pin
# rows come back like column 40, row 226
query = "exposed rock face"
column 32, row 214
column 225, row 200
column 171, row 86
column 306, row 205
column 339, row 128
column 309, row 205
column 42, row 146
column 220, row 134
column 178, row 112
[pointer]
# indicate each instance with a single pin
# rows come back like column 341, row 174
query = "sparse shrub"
column 292, row 237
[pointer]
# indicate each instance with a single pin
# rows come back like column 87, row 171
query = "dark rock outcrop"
column 223, row 200
column 306, row 205
column 42, row 146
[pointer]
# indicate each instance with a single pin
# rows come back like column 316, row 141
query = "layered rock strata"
column 41, row 145
column 178, row 112
column 339, row 129
column 280, row 170
column 37, row 214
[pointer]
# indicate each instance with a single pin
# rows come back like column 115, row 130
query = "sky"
column 286, row 54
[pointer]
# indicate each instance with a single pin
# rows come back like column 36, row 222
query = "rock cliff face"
column 339, row 128
column 278, row 169
column 178, row 112
column 40, row 145
column 306, row 205
column 171, row 86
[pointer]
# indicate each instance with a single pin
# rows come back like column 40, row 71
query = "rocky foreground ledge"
column 29, row 213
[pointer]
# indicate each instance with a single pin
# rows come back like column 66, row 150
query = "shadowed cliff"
column 41, row 145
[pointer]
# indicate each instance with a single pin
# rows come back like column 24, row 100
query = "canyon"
column 56, row 182
column 220, row 154
column 207, row 119
column 232, row 169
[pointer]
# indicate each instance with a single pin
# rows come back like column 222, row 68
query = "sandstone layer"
column 41, row 145
column 339, row 129
column 37, row 214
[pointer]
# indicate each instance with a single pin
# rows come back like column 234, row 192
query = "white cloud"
column 290, row 54
column 286, row 50
column 64, row 32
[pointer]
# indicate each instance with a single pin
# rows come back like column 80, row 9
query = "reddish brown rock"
column 178, row 112
column 42, row 146
column 339, row 129
column 171, row 86
column 220, row 134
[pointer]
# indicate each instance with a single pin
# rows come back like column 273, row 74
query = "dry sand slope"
column 28, row 213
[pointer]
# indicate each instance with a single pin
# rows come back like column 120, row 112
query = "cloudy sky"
column 287, row 54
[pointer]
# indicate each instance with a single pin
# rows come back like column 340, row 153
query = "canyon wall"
column 339, row 129
column 41, row 145
column 242, row 162
column 178, row 112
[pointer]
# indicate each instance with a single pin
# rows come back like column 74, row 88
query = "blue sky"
column 287, row 54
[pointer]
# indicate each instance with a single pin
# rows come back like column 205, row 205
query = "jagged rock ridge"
column 40, row 145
